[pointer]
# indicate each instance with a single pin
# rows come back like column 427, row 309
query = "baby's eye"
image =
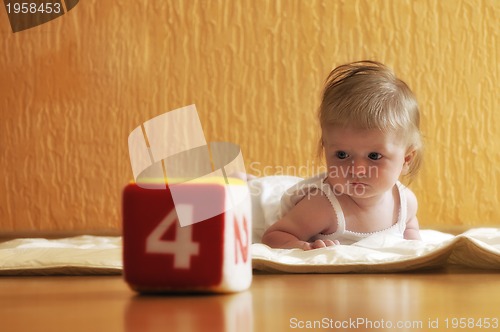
column 341, row 154
column 374, row 155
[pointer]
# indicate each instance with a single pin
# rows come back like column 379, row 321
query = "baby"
column 370, row 137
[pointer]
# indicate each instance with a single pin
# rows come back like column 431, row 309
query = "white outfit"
column 297, row 192
column 266, row 193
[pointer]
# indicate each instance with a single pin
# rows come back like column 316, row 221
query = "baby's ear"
column 320, row 148
column 409, row 156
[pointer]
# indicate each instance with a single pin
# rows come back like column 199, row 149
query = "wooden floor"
column 430, row 301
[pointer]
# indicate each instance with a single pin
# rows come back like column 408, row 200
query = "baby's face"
column 363, row 162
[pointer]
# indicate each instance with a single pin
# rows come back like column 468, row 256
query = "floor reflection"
column 227, row 312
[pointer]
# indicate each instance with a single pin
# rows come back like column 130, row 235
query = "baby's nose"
column 359, row 168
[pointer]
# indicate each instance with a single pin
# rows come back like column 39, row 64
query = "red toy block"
column 212, row 255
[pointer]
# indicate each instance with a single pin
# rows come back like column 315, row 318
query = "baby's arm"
column 412, row 227
column 311, row 216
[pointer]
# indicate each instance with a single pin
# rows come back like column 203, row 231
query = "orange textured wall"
column 71, row 90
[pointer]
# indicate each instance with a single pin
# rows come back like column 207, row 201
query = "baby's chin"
column 359, row 190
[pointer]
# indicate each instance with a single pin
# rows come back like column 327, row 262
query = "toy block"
column 207, row 255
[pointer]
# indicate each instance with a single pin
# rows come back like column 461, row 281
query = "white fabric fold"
column 477, row 248
column 81, row 255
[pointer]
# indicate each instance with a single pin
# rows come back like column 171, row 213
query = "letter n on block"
column 208, row 256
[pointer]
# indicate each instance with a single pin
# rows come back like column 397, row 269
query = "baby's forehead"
column 335, row 136
column 358, row 131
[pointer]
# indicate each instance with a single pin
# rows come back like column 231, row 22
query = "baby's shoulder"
column 315, row 206
column 411, row 202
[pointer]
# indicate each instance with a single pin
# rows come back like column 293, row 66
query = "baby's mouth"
column 357, row 183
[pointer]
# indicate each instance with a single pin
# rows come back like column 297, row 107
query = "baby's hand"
column 319, row 244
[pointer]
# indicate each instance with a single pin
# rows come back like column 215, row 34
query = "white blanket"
column 79, row 255
column 477, row 248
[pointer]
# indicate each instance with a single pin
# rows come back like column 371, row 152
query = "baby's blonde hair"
column 367, row 95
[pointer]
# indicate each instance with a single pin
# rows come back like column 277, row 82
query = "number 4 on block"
column 182, row 248
column 209, row 256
